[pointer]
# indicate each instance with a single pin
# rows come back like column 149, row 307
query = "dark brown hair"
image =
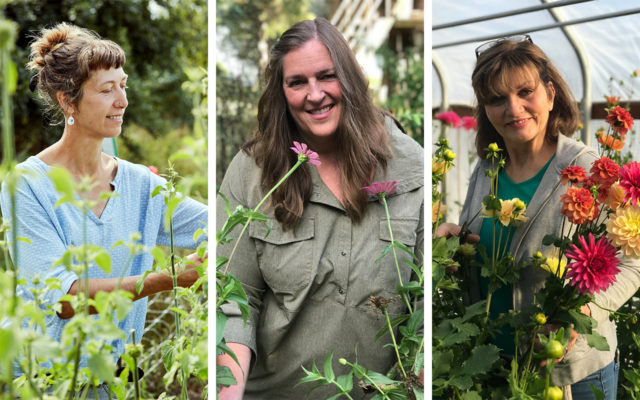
column 495, row 65
column 64, row 56
column 361, row 140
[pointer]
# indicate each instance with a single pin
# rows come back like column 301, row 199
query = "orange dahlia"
column 573, row 174
column 623, row 229
column 620, row 120
column 604, row 171
column 616, row 197
column 578, row 205
column 611, row 142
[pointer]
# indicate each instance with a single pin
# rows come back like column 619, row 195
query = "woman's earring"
column 70, row 120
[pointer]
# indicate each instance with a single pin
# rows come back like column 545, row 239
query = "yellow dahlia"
column 623, row 229
column 439, row 167
column 511, row 210
column 551, row 265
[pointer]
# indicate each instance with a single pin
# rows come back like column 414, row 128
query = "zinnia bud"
column 519, row 204
column 342, row 361
column 494, row 147
column 537, row 255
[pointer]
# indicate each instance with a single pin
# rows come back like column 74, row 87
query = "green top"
column 502, row 299
column 309, row 289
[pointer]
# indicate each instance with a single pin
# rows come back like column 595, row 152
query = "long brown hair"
column 361, row 140
column 495, row 65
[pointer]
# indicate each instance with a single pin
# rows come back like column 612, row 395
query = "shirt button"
column 340, row 290
column 343, row 252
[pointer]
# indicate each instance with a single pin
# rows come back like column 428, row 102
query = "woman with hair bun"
column 80, row 77
column 310, row 279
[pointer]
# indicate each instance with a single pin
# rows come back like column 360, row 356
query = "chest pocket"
column 404, row 231
column 285, row 257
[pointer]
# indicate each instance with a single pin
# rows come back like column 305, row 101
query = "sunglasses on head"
column 516, row 39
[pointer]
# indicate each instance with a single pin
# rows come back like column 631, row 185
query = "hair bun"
column 49, row 41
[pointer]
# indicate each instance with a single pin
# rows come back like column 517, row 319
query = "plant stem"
column 395, row 345
column 136, row 378
column 395, row 256
column 255, row 210
column 76, row 366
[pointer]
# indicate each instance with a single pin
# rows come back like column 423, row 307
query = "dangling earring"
column 70, row 120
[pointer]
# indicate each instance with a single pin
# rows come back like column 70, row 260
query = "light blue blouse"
column 52, row 230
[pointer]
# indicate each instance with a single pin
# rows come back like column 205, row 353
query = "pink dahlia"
column 381, row 189
column 630, row 181
column 594, row 266
column 450, row 118
column 469, row 123
column 604, row 171
column 305, row 154
column 573, row 174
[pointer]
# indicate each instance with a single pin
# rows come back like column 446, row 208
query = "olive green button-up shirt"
column 309, row 289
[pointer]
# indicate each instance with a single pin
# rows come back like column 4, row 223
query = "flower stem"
column 246, row 224
column 395, row 345
column 395, row 256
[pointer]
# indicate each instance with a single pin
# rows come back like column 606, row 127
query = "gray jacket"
column 545, row 217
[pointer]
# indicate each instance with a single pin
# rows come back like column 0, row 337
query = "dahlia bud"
column 493, row 147
column 540, row 318
column 449, row 155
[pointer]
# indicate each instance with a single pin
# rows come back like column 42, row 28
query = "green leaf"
column 104, row 261
column 380, row 379
column 481, row 360
column 394, row 322
column 64, row 184
column 220, row 261
column 224, row 376
column 597, row 341
column 442, row 363
column 549, row 240
column 462, row 382
column 359, row 370
column 404, row 248
column 384, row 252
column 346, row 381
column 102, row 367
column 9, row 344
column 328, row 370
column 472, row 395
column 596, row 392
column 168, row 354
column 335, row 396
column 221, row 322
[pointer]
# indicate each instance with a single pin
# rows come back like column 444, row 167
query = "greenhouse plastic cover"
column 611, row 46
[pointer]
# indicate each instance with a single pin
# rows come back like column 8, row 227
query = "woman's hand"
column 189, row 275
column 447, row 229
column 572, row 340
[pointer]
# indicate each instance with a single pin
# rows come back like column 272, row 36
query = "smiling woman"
column 310, row 276
column 80, row 76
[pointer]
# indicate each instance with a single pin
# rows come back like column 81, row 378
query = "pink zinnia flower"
column 573, row 174
column 630, row 181
column 381, row 189
column 604, row 172
column 449, row 118
column 594, row 265
column 153, row 169
column 469, row 123
column 305, row 154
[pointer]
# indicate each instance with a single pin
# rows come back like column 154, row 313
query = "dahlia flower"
column 450, row 118
column 381, row 189
column 578, row 205
column 511, row 210
column 630, row 181
column 439, row 167
column 604, row 171
column 573, row 174
column 620, row 120
column 305, row 154
column 623, row 229
column 469, row 123
column 612, row 100
column 551, row 265
column 611, row 142
column 616, row 197
column 594, row 264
